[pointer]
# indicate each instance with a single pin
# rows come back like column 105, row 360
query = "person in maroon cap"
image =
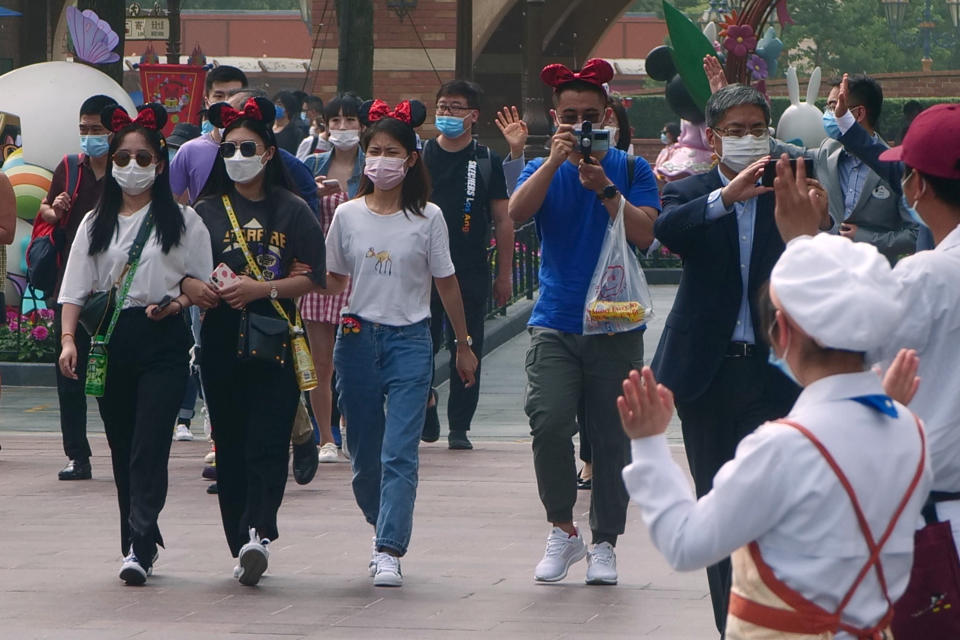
column 926, row 168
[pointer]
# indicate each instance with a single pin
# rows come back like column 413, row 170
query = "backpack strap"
column 631, row 169
column 481, row 155
column 74, row 164
column 316, row 141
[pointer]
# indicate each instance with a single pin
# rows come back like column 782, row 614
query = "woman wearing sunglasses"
column 253, row 400
column 146, row 350
column 338, row 174
column 391, row 243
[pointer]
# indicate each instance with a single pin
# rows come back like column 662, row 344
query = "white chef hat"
column 842, row 294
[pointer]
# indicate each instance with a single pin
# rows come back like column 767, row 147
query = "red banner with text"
column 178, row 87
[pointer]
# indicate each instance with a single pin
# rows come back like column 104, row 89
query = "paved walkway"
column 478, row 533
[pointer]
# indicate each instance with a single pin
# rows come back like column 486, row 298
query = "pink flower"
column 740, row 40
column 758, row 67
column 14, row 326
column 12, row 315
column 46, row 314
column 39, row 334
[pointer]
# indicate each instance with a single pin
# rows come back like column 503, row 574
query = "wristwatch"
column 468, row 341
column 609, row 191
column 273, row 291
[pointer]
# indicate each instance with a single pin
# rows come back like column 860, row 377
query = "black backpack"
column 47, row 241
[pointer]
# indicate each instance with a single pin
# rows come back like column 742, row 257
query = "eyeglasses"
column 453, row 109
column 143, row 157
column 739, row 132
column 248, row 149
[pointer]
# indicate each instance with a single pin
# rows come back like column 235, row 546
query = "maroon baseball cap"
column 932, row 143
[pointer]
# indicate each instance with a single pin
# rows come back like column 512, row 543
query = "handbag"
column 262, row 338
column 96, row 379
column 256, row 331
column 930, row 607
column 618, row 299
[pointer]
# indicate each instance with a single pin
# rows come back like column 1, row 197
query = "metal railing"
column 526, row 267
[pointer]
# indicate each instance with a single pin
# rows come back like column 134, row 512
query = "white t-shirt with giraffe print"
column 391, row 260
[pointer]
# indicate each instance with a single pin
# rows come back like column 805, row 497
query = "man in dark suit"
column 721, row 223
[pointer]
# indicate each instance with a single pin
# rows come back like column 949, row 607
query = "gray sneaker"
column 388, row 571
column 602, row 564
column 253, row 560
column 561, row 552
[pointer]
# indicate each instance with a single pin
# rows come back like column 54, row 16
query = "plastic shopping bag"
column 618, row 299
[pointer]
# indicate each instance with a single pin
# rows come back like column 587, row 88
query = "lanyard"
column 255, row 268
column 130, row 270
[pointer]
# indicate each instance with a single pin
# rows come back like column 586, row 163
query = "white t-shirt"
column 158, row 275
column 390, row 259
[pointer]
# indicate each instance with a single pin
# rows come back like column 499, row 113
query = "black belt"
column 741, row 350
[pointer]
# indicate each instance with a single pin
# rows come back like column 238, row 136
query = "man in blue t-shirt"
column 573, row 198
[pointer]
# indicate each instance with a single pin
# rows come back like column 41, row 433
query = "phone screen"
column 770, row 170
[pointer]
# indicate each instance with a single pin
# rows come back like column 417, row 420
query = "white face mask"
column 134, row 179
column 739, row 153
column 243, row 170
column 344, row 139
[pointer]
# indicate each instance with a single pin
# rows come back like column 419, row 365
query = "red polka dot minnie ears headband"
column 260, row 109
column 596, row 71
column 410, row 112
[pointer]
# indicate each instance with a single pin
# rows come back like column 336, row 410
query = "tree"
column 113, row 12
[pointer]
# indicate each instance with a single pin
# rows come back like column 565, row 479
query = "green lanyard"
column 133, row 262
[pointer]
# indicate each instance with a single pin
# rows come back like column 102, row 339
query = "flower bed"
column 28, row 338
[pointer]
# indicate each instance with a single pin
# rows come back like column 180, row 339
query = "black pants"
column 73, row 400
column 252, row 405
column 745, row 393
column 475, row 291
column 146, row 374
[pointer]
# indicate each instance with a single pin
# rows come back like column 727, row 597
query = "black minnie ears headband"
column 259, row 109
column 149, row 116
column 409, row 112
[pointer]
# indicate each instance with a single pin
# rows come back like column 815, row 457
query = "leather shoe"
column 76, row 470
column 305, row 461
column 431, row 422
column 458, row 441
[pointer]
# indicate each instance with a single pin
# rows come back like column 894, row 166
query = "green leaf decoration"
column 688, row 46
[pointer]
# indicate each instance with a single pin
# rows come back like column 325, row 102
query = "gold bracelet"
column 64, row 335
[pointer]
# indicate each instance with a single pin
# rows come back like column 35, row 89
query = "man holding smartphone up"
column 573, row 200
column 721, row 223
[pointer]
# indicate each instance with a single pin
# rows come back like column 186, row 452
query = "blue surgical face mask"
column 830, row 124
column 206, row 127
column 450, row 126
column 664, row 139
column 95, row 146
column 281, row 112
column 781, row 364
column 304, row 117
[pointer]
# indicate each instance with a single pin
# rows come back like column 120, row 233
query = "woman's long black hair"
column 167, row 216
column 274, row 173
column 416, row 184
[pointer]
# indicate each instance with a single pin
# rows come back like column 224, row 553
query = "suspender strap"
column 295, row 326
column 875, row 548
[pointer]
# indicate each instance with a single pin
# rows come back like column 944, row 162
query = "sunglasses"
column 248, row 149
column 143, row 157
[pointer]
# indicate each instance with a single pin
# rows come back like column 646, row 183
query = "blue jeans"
column 383, row 378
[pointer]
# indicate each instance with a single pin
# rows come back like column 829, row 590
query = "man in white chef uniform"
column 813, row 507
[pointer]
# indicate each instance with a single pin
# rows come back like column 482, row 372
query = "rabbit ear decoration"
column 793, row 85
column 813, row 87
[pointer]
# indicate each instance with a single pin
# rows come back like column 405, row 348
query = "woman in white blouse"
column 147, row 352
column 392, row 244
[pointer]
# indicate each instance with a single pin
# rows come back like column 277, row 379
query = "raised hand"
column 513, row 129
column 900, row 381
column 799, row 209
column 843, row 96
column 715, row 75
column 645, row 406
column 745, row 185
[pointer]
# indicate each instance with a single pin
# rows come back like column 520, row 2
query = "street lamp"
column 895, row 11
column 716, row 11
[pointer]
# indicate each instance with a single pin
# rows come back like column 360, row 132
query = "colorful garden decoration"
column 30, row 184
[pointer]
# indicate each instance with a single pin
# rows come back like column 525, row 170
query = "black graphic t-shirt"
column 278, row 229
column 458, row 189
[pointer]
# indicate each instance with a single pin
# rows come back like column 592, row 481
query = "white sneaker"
column 388, row 571
column 182, row 433
column 562, row 551
column 373, row 558
column 211, row 457
column 602, row 564
column 131, row 571
column 253, row 560
column 328, row 453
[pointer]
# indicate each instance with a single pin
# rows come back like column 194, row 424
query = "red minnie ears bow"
column 596, row 71
column 120, row 119
column 229, row 115
column 380, row 109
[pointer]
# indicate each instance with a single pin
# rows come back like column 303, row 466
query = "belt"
column 741, row 350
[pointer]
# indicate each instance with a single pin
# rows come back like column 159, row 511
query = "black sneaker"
column 76, row 470
column 212, row 488
column 457, row 440
column 305, row 461
column 431, row 423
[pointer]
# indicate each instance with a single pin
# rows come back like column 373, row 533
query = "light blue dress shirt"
column 746, row 221
column 853, row 173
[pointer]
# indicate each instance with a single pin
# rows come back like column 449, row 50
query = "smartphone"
column 770, row 170
column 223, row 276
column 331, row 183
column 163, row 304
